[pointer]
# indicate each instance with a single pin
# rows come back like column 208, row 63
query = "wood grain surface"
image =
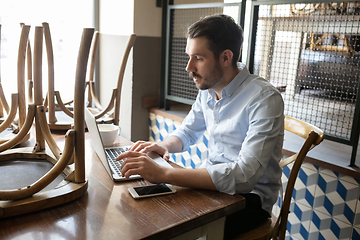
column 107, row 210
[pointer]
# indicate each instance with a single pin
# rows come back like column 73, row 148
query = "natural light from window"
column 66, row 19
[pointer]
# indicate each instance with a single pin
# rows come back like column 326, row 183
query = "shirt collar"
column 234, row 84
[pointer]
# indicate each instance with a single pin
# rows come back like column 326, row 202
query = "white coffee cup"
column 108, row 133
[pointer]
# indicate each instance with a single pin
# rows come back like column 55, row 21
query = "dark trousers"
column 247, row 219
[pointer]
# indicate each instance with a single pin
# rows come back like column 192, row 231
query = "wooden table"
column 107, row 211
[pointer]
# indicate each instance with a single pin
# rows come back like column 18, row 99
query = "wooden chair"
column 29, row 198
column 30, row 82
column 108, row 114
column 4, row 106
column 10, row 126
column 111, row 112
column 56, row 119
column 3, row 103
column 275, row 228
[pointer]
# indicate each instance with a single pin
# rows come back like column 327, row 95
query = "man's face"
column 202, row 66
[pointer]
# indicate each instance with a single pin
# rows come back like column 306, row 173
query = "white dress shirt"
column 246, row 131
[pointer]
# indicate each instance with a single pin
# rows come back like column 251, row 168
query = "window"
column 66, row 19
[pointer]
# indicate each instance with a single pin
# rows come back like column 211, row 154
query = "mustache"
column 193, row 74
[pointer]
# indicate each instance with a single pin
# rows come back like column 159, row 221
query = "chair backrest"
column 29, row 66
column 3, row 103
column 24, row 36
column 114, row 102
column 121, row 77
column 313, row 136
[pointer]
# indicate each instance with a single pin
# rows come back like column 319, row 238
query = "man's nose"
column 190, row 66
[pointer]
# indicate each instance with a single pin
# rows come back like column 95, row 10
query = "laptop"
column 107, row 155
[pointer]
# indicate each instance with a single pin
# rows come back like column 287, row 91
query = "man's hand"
column 145, row 147
column 140, row 163
column 136, row 161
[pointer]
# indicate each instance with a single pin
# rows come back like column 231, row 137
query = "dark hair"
column 222, row 32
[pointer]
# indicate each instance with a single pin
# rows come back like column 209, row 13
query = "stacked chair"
column 110, row 113
column 61, row 113
column 15, row 119
column 69, row 164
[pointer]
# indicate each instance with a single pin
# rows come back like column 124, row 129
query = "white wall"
column 147, row 18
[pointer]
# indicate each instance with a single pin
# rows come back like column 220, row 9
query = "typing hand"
column 140, row 163
column 145, row 147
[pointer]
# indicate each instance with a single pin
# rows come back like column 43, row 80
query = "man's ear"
column 226, row 57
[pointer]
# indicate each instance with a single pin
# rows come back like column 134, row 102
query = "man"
column 244, row 117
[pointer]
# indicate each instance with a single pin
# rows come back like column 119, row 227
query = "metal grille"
column 311, row 52
column 180, row 85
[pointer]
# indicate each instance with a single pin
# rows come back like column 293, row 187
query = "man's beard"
column 208, row 83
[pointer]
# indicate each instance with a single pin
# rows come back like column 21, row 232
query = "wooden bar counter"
column 107, row 211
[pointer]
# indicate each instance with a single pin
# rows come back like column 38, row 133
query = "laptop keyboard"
column 111, row 154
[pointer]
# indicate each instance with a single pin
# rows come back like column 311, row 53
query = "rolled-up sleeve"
column 193, row 126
